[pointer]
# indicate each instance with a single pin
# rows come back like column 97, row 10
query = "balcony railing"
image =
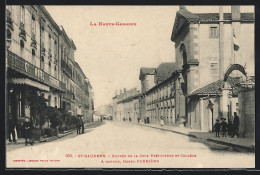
column 22, row 31
column 70, row 95
column 19, row 64
column 9, row 21
column 66, row 67
column 34, row 43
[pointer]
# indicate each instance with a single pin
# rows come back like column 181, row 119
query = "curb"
column 53, row 137
column 250, row 149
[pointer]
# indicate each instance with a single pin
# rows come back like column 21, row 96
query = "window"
column 214, row 68
column 55, row 50
column 22, row 48
column 49, row 100
column 8, row 34
column 22, row 14
column 49, row 43
column 55, row 102
column 21, row 106
column 22, row 44
column 214, row 32
column 62, row 52
column 42, row 63
column 55, row 71
column 33, row 26
column 33, row 57
column 49, row 67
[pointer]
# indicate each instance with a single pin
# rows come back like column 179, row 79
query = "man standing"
column 236, row 124
column 27, row 125
column 224, row 127
column 82, row 121
column 11, row 129
column 217, row 127
column 78, row 125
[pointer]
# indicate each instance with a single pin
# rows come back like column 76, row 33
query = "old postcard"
column 130, row 86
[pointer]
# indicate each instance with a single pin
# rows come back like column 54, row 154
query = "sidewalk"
column 48, row 139
column 244, row 143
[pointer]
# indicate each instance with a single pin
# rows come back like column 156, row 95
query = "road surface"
column 124, row 145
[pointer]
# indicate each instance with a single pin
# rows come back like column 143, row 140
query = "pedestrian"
column 230, row 127
column 144, row 120
column 236, row 124
column 78, row 125
column 82, row 122
column 148, row 120
column 129, row 119
column 11, row 129
column 27, row 126
column 162, row 122
column 224, row 127
column 101, row 119
column 138, row 119
column 217, row 127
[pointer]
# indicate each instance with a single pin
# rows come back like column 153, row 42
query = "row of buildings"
column 212, row 76
column 40, row 57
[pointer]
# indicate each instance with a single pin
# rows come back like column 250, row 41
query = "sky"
column 111, row 56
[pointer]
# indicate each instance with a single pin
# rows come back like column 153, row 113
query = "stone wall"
column 246, row 113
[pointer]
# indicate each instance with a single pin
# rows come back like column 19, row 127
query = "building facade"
column 125, row 105
column 39, row 58
column 206, row 47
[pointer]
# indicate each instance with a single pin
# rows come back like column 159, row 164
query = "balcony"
column 19, row 64
column 9, row 21
column 34, row 43
column 22, row 33
column 69, row 95
column 43, row 50
column 66, row 68
column 50, row 55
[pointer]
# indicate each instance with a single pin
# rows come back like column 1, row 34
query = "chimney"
column 124, row 90
column 235, row 11
column 115, row 92
column 120, row 91
column 182, row 7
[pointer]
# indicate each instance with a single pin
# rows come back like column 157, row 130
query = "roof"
column 226, row 16
column 215, row 87
column 165, row 70
column 188, row 15
column 184, row 17
column 130, row 98
column 212, row 16
column 145, row 70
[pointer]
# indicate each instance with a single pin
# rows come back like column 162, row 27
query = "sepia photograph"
column 162, row 86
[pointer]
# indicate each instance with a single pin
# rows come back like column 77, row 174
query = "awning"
column 29, row 82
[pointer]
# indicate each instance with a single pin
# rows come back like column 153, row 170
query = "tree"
column 37, row 104
column 55, row 116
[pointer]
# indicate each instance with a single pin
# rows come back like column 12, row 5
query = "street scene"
column 130, row 87
column 129, row 139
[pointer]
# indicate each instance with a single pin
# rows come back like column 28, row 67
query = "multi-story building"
column 160, row 99
column 208, row 47
column 39, row 57
column 122, row 109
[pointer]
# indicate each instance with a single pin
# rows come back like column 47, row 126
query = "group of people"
column 230, row 128
column 146, row 120
column 26, row 128
column 80, row 126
